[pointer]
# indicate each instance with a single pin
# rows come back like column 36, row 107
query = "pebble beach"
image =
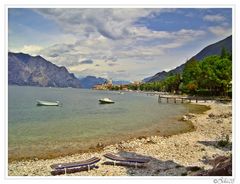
column 169, row 156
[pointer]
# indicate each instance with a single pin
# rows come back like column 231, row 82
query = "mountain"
column 90, row 81
column 213, row 49
column 26, row 70
column 120, row 82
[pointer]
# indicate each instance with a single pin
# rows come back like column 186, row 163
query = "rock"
column 222, row 166
column 184, row 118
column 193, row 168
column 217, row 160
column 191, row 115
column 219, row 121
column 226, row 115
column 100, row 145
column 211, row 115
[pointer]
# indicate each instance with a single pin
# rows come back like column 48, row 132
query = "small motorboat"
column 47, row 103
column 106, row 101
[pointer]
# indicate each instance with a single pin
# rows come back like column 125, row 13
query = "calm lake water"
column 81, row 123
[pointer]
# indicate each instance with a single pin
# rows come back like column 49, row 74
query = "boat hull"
column 105, row 102
column 45, row 103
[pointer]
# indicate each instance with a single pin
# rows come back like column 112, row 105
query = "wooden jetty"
column 175, row 99
column 183, row 99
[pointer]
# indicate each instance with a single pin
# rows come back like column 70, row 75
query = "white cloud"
column 214, row 18
column 31, row 49
column 138, row 46
column 220, row 30
column 110, row 23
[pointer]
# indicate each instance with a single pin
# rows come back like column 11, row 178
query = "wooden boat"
column 47, row 103
column 106, row 101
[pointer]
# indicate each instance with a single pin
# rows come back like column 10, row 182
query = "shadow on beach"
column 215, row 144
column 155, row 167
column 221, row 167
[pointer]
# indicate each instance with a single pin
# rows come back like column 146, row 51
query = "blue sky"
column 122, row 44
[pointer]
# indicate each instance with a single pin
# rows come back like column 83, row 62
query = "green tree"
column 190, row 76
column 224, row 53
column 171, row 83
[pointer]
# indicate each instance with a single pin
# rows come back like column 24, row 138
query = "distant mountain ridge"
column 120, row 82
column 213, row 49
column 90, row 81
column 27, row 70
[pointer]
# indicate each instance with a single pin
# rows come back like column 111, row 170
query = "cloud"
column 32, row 49
column 214, row 18
column 53, row 55
column 109, row 58
column 112, row 64
column 112, row 35
column 109, row 22
column 87, row 61
column 144, row 46
column 121, row 71
column 220, row 30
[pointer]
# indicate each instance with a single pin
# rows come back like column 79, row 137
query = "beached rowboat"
column 47, row 103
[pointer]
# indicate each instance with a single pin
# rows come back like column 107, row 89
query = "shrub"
column 224, row 142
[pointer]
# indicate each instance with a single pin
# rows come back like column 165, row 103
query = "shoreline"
column 170, row 155
column 100, row 143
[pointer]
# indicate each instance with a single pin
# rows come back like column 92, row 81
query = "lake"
column 81, row 123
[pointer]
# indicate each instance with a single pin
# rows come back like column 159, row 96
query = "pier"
column 177, row 98
column 189, row 99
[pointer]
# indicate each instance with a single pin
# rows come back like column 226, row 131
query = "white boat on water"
column 47, row 103
column 106, row 101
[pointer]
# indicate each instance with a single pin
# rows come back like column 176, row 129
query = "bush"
column 224, row 142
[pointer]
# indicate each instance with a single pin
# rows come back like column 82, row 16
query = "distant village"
column 108, row 85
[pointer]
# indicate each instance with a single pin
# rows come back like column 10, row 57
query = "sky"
column 116, row 43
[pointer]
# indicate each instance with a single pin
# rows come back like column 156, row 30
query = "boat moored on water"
column 47, row 103
column 106, row 101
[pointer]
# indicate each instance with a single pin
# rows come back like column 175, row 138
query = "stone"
column 219, row 121
column 211, row 115
column 222, row 166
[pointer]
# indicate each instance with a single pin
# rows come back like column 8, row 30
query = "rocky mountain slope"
column 27, row 70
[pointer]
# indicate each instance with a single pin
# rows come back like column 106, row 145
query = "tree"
column 223, row 72
column 224, row 53
column 190, row 75
column 216, row 74
column 171, row 83
column 211, row 76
